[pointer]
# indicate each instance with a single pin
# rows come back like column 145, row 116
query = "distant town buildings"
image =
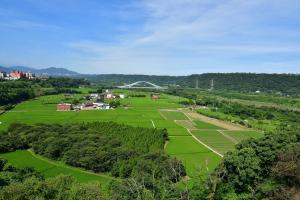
column 82, row 106
column 16, row 74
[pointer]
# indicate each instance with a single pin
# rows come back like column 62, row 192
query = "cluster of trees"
column 114, row 103
column 123, row 151
column 61, row 82
column 12, row 92
column 266, row 168
column 27, row 184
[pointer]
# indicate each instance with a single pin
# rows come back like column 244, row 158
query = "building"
column 155, row 96
column 29, row 75
column 88, row 106
column 2, row 75
column 64, row 107
column 94, row 96
column 122, row 96
column 15, row 74
column 102, row 106
column 109, row 96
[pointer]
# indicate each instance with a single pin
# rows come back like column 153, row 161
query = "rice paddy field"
column 135, row 111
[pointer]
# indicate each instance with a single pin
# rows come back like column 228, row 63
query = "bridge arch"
column 135, row 85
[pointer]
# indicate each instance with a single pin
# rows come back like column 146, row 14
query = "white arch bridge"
column 136, row 85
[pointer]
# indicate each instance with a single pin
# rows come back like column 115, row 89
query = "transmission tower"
column 211, row 84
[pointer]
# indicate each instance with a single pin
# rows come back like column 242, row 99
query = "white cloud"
column 191, row 33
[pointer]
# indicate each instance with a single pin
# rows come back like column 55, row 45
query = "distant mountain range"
column 51, row 71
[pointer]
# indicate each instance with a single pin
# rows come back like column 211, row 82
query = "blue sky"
column 170, row 37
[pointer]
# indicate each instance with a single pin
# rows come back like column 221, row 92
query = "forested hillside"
column 245, row 82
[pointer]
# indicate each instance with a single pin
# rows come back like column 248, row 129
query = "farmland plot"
column 215, row 140
column 196, row 158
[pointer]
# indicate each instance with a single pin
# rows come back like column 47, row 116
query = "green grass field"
column 49, row 168
column 226, row 141
column 137, row 111
column 196, row 158
column 215, row 140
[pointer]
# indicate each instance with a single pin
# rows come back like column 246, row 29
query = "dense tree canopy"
column 261, row 168
column 12, row 92
column 123, row 151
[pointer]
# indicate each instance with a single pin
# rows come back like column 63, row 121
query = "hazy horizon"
column 153, row 37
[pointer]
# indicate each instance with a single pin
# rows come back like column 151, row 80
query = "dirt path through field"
column 222, row 124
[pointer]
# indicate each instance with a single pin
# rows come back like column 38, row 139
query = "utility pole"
column 197, row 83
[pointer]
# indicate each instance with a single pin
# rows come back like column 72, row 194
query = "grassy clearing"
column 23, row 158
column 243, row 135
column 215, row 140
